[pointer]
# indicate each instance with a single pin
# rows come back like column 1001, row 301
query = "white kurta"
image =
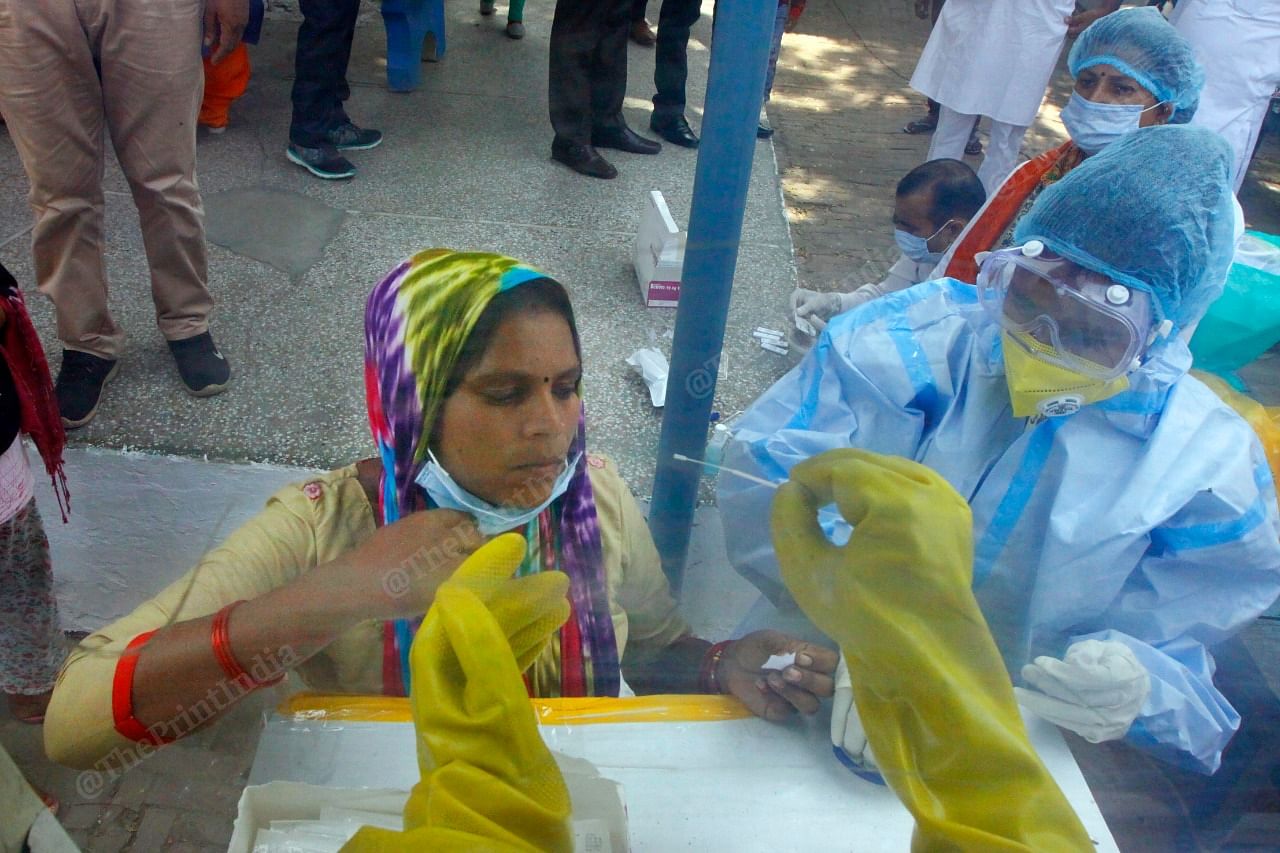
column 993, row 57
column 1238, row 42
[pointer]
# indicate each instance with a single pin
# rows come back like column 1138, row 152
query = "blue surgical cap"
column 1140, row 43
column 1153, row 210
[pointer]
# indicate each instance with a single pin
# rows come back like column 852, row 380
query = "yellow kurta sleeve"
column 302, row 525
column 645, row 615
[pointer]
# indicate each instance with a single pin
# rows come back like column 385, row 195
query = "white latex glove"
column 812, row 309
column 847, row 734
column 1096, row 690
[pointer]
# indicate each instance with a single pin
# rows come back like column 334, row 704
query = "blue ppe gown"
column 1149, row 518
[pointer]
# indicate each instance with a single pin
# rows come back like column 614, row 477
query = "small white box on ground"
column 659, row 255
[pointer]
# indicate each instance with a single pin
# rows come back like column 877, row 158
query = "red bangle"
column 122, row 696
column 221, row 640
column 708, row 682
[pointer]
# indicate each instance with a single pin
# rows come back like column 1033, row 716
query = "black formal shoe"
column 675, row 129
column 583, row 159
column 79, row 386
column 624, row 139
column 763, row 130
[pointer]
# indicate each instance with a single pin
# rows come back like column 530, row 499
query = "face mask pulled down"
column 447, row 493
column 1039, row 388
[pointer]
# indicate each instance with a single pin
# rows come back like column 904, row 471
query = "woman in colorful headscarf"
column 473, row 372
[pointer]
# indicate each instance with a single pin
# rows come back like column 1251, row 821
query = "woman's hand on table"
column 395, row 572
column 776, row 694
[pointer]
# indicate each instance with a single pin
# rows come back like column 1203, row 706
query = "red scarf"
column 984, row 232
column 20, row 347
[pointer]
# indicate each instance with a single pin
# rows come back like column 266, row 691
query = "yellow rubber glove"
column 488, row 780
column 928, row 681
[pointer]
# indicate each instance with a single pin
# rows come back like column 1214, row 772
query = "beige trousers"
column 70, row 70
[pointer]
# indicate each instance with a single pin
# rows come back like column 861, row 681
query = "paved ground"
column 839, row 102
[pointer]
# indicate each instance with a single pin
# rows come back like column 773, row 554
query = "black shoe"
column 624, row 139
column 763, row 130
column 203, row 369
column 323, row 162
column 974, row 145
column 348, row 137
column 928, row 124
column 583, row 159
column 79, row 386
column 675, row 129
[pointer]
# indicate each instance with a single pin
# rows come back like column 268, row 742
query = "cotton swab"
column 734, row 471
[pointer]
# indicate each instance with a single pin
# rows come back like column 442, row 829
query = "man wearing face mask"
column 1124, row 518
column 932, row 204
column 1131, row 69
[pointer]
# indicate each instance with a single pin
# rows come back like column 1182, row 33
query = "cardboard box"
column 659, row 253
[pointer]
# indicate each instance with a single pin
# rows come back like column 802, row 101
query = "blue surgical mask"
column 491, row 520
column 917, row 248
column 1094, row 126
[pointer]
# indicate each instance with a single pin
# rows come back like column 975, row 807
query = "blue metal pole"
column 735, row 88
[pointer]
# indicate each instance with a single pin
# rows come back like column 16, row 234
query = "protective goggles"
column 1063, row 313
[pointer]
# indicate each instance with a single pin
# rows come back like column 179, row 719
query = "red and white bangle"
column 708, row 681
column 221, row 639
column 122, row 696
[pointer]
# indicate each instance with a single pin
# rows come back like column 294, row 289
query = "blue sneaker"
column 348, row 137
column 323, row 162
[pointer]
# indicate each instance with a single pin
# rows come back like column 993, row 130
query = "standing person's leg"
column 319, row 68
column 340, row 131
column 319, row 85
column 31, row 644
column 1002, row 154
column 641, row 33
column 951, row 135
column 930, row 120
column 346, row 33
column 764, row 130
column 671, row 60
column 151, row 87
column 224, row 84
column 775, row 48
column 609, row 85
column 515, row 15
column 575, row 31
column 52, row 102
column 609, row 71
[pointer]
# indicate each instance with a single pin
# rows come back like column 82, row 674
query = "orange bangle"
column 708, row 682
column 122, row 696
column 221, row 641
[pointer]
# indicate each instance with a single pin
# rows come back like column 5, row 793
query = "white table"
column 732, row 785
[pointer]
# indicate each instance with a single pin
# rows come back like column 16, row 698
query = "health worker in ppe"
column 932, row 204
column 1124, row 518
column 1131, row 70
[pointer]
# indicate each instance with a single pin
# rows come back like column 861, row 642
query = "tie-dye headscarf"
column 417, row 321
